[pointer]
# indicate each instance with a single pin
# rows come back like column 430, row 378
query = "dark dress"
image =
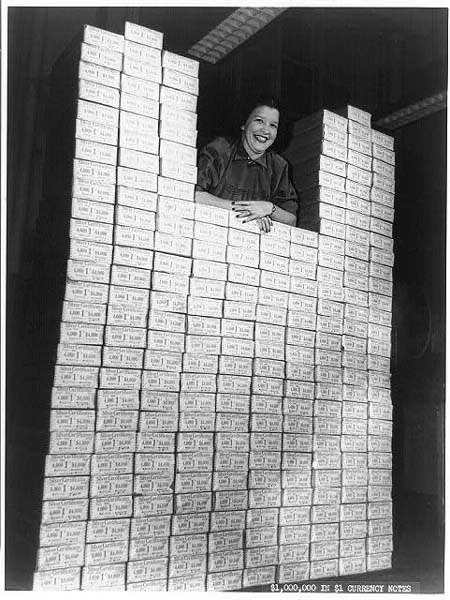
column 226, row 170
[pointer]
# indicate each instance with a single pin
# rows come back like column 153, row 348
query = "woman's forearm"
column 211, row 200
column 283, row 216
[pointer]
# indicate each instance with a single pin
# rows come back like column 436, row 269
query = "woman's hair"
column 250, row 106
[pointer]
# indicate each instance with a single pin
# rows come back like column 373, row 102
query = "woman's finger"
column 260, row 224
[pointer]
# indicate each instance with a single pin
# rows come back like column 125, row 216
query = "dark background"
column 380, row 60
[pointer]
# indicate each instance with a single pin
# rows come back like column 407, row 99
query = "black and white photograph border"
column 297, row 188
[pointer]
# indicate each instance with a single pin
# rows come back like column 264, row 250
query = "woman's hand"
column 249, row 211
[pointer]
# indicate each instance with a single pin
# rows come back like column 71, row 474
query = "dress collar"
column 241, row 154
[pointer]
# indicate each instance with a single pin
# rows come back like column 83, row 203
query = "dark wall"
column 419, row 318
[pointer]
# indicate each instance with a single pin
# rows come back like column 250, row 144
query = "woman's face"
column 260, row 130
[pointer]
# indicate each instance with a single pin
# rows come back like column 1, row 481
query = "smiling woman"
column 244, row 175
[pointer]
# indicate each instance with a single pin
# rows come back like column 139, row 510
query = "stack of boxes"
column 94, row 97
column 91, row 525
column 381, row 261
column 190, row 421
column 135, row 221
column 345, row 173
column 269, row 266
column 220, row 416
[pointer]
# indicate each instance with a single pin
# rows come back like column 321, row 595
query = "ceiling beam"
column 232, row 32
column 414, row 112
